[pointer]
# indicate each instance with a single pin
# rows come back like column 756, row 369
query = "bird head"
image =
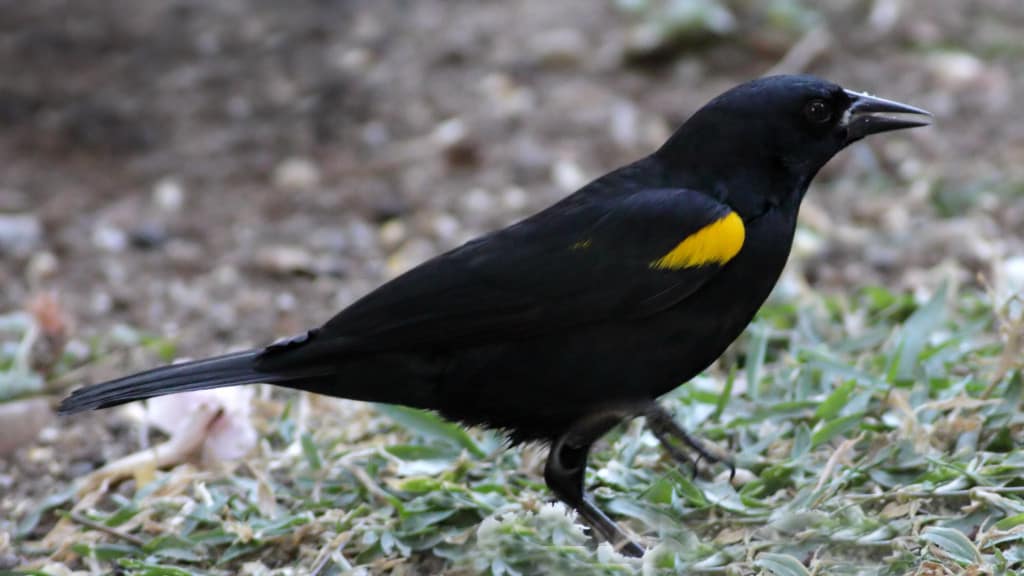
column 773, row 134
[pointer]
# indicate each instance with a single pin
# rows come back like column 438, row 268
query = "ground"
column 184, row 178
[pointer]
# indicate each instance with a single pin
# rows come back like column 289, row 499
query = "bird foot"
column 671, row 434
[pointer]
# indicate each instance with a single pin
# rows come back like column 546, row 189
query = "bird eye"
column 817, row 111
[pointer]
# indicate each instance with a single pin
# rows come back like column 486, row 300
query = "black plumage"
column 572, row 320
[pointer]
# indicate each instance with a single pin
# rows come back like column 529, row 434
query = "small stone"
column 296, row 174
column 42, row 266
column 20, row 234
column 568, row 175
column 350, row 59
column 182, row 251
column 77, row 350
column 560, row 47
column 452, row 137
column 109, row 238
column 450, row 132
column 742, row 476
column 20, row 422
column 445, row 226
column 955, row 70
column 383, row 209
column 1010, row 277
column 239, row 107
column 508, row 98
column 148, row 235
column 411, row 254
column 49, row 435
column 9, row 561
column 807, row 244
column 392, row 233
column 625, row 125
column 884, row 15
column 330, row 239
column 80, row 468
column 285, row 260
column 514, row 199
column 531, row 157
column 169, row 194
column 361, row 235
column 376, row 134
column 478, row 202
column 285, row 301
column 101, row 303
column 226, row 276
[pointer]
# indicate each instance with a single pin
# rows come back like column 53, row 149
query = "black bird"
column 559, row 327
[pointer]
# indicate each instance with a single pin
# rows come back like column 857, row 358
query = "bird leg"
column 667, row 431
column 564, row 474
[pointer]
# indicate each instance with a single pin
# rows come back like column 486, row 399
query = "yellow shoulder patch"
column 716, row 243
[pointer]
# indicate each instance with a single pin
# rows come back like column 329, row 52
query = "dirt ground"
column 225, row 173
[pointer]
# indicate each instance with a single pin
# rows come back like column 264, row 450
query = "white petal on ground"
column 230, row 437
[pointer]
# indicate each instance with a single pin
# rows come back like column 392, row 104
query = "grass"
column 873, row 434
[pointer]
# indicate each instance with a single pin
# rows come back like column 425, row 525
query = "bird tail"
column 221, row 371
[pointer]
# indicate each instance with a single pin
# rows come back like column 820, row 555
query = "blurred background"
column 180, row 178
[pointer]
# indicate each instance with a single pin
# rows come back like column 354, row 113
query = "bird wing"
column 583, row 260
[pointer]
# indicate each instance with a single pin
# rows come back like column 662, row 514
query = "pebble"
column 20, row 422
column 477, row 202
column 807, row 243
column 560, row 47
column 453, row 137
column 411, row 254
column 169, row 194
column 955, row 70
column 9, row 561
column 333, row 240
column 445, row 227
column 20, row 234
column 42, row 266
column 509, row 98
column 376, row 134
column 531, row 157
column 285, row 301
column 361, row 235
column 450, row 132
column 351, row 59
column 741, row 477
column 568, row 175
column 625, row 125
column 285, row 260
column 392, row 233
column 384, row 208
column 101, row 303
column 227, row 276
column 148, row 236
column 296, row 174
column 184, row 251
column 109, row 238
column 514, row 199
column 1014, row 269
column 239, row 107
column 77, row 350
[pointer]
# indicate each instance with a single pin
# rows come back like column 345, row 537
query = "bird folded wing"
column 580, row 261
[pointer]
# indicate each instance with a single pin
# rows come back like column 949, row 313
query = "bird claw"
column 667, row 431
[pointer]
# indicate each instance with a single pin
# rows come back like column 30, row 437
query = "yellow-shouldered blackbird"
column 561, row 326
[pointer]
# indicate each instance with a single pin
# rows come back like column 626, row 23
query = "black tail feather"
column 221, row 371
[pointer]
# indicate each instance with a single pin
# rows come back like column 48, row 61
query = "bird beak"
column 862, row 121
